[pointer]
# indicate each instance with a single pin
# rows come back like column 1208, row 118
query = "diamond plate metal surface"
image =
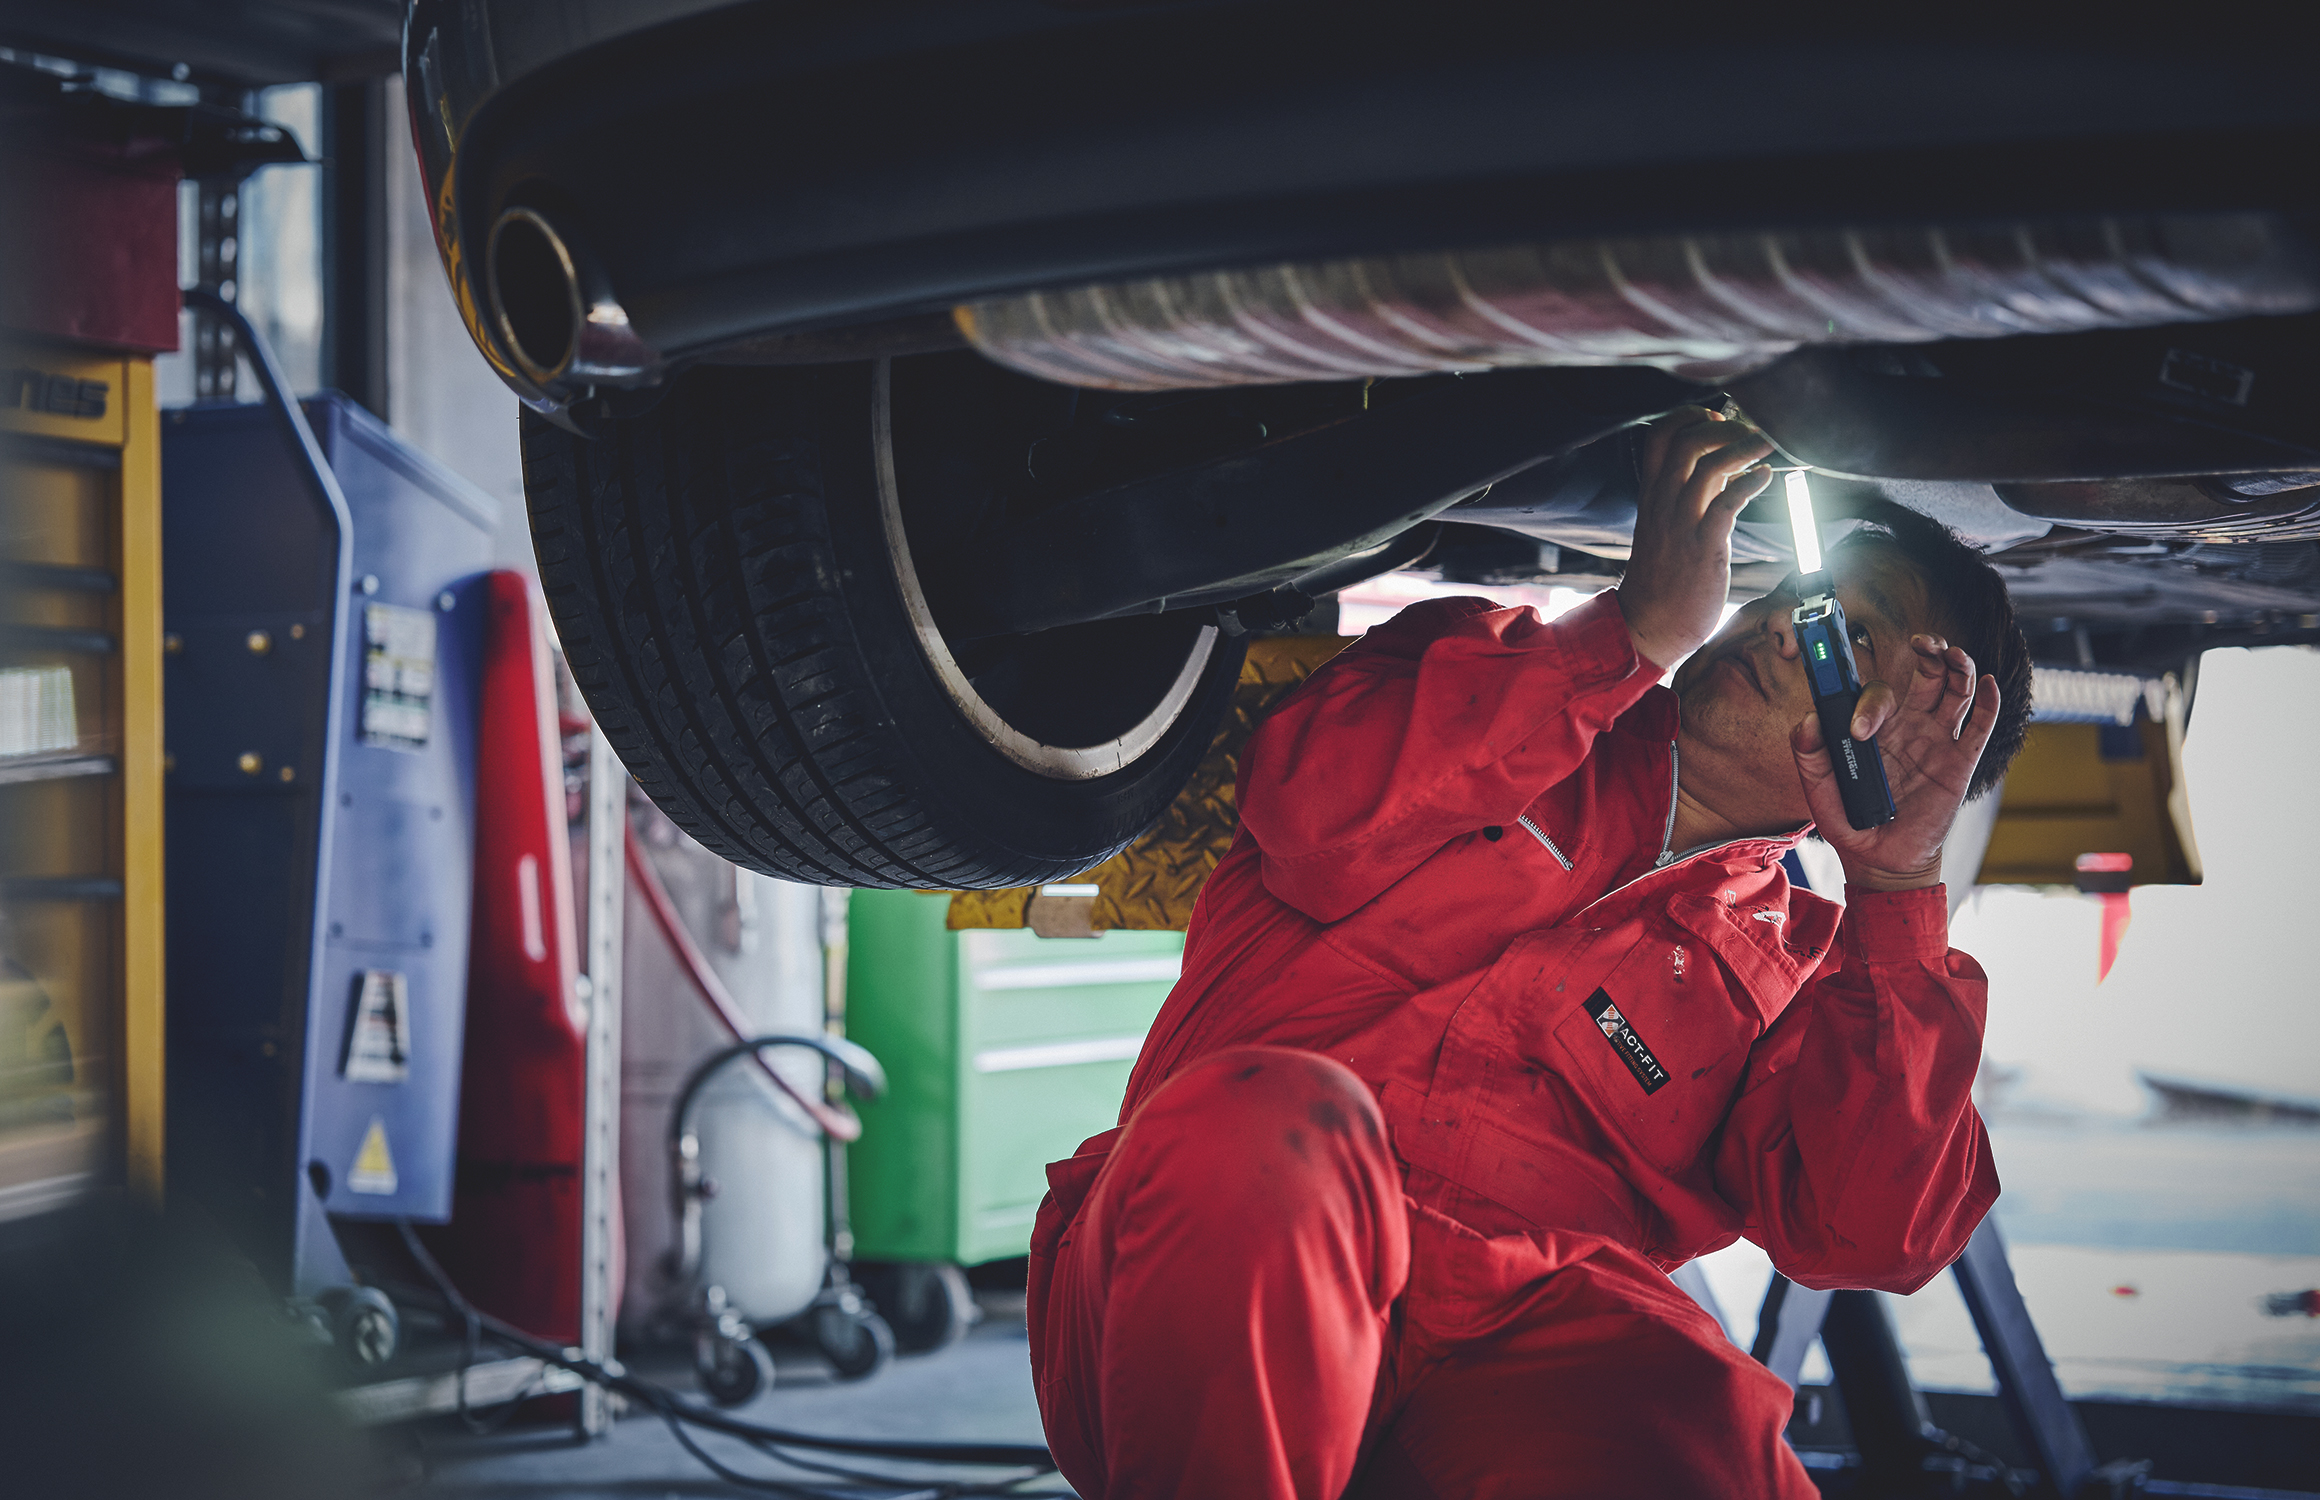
column 1150, row 885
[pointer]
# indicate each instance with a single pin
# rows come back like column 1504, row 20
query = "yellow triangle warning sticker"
column 374, row 1164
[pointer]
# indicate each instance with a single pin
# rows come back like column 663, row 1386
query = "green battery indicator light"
column 1820, row 650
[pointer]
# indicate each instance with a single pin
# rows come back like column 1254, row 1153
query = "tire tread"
column 689, row 566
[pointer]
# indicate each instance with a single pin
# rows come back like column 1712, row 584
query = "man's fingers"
column 1962, row 686
column 1938, row 749
column 1694, row 441
column 1653, row 456
column 1930, row 676
column 1941, row 683
column 1740, row 489
column 1715, row 471
column 1664, row 433
column 1870, row 713
column 1811, row 746
column 1817, row 776
column 1974, row 732
column 1958, row 684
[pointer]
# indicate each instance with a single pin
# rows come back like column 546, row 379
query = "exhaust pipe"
column 553, row 306
column 1705, row 306
column 2220, row 508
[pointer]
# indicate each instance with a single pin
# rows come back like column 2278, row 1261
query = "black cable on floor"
column 767, row 1484
column 679, row 1413
column 471, row 1349
column 903, row 1481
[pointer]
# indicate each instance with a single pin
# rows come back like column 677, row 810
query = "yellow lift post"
column 2095, row 789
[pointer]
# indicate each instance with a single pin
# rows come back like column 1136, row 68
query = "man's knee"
column 1251, row 1097
column 1268, row 1130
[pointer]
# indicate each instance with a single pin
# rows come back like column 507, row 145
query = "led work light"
column 1826, row 645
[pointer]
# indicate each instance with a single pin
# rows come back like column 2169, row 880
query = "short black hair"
column 1971, row 599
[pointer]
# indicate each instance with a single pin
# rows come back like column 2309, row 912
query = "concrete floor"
column 977, row 1390
column 2145, row 1252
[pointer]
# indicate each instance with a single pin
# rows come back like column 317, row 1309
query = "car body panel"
column 764, row 168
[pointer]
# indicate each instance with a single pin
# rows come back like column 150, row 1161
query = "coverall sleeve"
column 1855, row 1153
column 1450, row 717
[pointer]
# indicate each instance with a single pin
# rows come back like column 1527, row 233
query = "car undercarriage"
column 926, row 403
column 941, row 441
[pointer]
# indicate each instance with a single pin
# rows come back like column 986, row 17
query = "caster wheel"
column 363, row 1326
column 855, row 1340
column 927, row 1303
column 731, row 1371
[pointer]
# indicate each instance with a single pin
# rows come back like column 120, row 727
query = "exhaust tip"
column 535, row 290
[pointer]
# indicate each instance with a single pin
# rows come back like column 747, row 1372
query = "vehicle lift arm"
column 1902, row 1452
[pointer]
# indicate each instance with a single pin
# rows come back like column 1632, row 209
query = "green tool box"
column 1003, row 1051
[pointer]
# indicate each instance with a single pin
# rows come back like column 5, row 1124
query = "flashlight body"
column 1827, row 647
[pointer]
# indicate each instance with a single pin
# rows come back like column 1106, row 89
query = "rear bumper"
column 735, row 171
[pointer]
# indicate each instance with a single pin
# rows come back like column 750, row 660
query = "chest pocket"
column 1661, row 1045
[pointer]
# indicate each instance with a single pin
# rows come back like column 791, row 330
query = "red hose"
column 839, row 1122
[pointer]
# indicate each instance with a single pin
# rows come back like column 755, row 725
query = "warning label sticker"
column 374, row 1164
column 378, row 1044
column 398, row 676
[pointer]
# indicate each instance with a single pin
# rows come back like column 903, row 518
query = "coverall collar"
column 1654, row 724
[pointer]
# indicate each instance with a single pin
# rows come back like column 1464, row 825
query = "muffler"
column 2221, row 508
column 553, row 307
column 1705, row 306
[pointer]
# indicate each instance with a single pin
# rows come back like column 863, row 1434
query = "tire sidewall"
column 1028, row 822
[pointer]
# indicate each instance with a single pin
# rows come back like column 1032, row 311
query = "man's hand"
column 1931, row 735
column 1681, row 570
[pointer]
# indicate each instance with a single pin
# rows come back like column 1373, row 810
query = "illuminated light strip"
column 1800, row 521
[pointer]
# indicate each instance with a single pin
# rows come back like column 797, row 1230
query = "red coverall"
column 1452, row 913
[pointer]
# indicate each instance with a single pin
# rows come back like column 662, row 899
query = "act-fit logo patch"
column 1632, row 1049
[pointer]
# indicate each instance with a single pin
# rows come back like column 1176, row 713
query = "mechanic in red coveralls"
column 1501, row 1007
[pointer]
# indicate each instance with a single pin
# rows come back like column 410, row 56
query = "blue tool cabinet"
column 322, row 675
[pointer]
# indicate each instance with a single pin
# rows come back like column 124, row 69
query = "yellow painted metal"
column 85, row 494
column 2063, row 798
column 84, row 415
column 143, row 1003
column 1152, row 884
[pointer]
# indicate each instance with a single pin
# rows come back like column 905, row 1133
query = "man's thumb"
column 1807, row 740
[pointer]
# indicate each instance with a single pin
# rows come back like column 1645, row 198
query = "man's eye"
column 1861, row 637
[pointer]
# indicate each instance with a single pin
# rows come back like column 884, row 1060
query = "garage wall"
column 441, row 396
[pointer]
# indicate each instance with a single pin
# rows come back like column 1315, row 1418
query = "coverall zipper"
column 1667, row 837
column 1667, row 859
column 1541, row 835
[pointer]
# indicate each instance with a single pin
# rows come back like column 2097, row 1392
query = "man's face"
column 1745, row 689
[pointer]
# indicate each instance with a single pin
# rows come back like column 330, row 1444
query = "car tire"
column 730, row 574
